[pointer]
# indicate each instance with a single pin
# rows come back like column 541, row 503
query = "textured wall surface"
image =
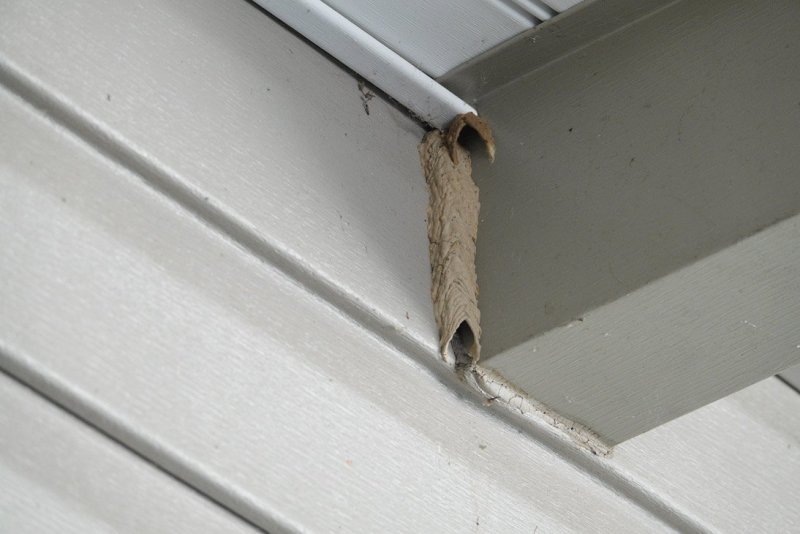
column 60, row 475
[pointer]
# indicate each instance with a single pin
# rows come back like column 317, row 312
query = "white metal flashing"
column 383, row 67
column 562, row 5
column 538, row 9
column 438, row 36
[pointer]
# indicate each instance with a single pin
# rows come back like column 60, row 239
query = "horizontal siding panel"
column 61, row 476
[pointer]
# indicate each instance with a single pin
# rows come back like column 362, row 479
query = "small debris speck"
column 366, row 95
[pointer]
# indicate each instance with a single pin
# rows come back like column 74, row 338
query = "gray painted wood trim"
column 532, row 49
column 674, row 345
column 792, row 377
column 619, row 168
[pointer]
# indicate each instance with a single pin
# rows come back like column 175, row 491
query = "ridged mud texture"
column 453, row 211
column 453, row 215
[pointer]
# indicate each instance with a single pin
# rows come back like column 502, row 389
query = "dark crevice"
column 463, row 345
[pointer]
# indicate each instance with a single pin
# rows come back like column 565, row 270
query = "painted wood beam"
column 631, row 259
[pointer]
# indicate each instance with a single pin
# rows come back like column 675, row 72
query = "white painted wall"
column 215, row 256
column 59, row 475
